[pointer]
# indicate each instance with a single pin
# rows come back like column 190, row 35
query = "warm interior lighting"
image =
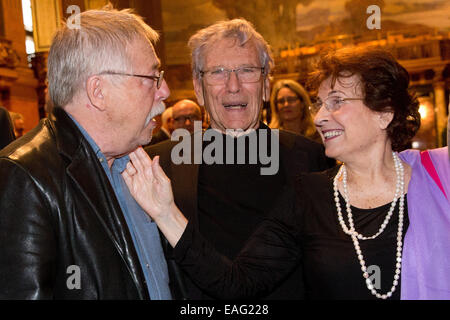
column 423, row 111
column 27, row 15
column 28, row 23
column 29, row 45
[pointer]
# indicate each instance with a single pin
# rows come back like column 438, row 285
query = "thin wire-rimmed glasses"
column 219, row 76
column 158, row 79
column 332, row 104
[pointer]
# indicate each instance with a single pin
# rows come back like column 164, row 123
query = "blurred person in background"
column 166, row 128
column 18, row 122
column 185, row 112
column 289, row 104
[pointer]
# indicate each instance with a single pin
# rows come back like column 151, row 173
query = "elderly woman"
column 289, row 105
column 345, row 226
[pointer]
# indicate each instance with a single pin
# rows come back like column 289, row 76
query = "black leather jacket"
column 58, row 209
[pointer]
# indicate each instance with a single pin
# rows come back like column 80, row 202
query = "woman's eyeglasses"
column 332, row 104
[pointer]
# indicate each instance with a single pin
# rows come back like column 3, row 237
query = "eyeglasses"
column 332, row 104
column 289, row 100
column 219, row 76
column 158, row 79
column 182, row 119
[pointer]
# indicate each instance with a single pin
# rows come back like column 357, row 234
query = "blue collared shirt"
column 143, row 230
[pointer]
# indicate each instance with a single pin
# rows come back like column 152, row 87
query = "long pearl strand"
column 399, row 190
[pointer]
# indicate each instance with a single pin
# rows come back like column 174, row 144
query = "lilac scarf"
column 426, row 251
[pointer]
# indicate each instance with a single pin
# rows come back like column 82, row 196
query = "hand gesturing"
column 148, row 184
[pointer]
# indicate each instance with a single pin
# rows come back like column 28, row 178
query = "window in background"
column 28, row 23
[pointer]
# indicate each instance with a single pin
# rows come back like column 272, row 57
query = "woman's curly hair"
column 384, row 84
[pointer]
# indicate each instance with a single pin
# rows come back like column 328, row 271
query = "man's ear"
column 385, row 118
column 94, row 92
column 198, row 88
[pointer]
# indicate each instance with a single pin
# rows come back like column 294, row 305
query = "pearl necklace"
column 399, row 191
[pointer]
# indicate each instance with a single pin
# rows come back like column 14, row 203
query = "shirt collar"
column 119, row 164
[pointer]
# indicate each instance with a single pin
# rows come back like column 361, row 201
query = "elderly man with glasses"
column 231, row 63
column 69, row 228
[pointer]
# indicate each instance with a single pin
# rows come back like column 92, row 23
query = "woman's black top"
column 303, row 229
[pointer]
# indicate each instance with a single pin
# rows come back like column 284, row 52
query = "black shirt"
column 304, row 229
column 234, row 198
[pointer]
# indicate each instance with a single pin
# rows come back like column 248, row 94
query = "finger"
column 137, row 163
column 158, row 172
column 130, row 169
column 146, row 162
column 127, row 178
column 144, row 157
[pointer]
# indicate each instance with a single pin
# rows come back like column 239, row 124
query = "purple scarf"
column 426, row 251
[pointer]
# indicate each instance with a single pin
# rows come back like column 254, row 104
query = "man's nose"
column 233, row 84
column 164, row 90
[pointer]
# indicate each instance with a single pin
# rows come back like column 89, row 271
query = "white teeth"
column 330, row 134
column 236, row 106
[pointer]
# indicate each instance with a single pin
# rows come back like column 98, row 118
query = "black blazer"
column 58, row 209
column 297, row 154
column 6, row 128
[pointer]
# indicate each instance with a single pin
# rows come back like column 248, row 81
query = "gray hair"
column 239, row 29
column 100, row 42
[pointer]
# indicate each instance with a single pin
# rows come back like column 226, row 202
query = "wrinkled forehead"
column 219, row 52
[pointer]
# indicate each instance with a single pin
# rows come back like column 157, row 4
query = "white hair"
column 239, row 29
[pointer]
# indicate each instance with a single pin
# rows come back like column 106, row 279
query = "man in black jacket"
column 69, row 229
column 228, row 179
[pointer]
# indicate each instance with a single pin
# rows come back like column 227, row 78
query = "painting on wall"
column 288, row 23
